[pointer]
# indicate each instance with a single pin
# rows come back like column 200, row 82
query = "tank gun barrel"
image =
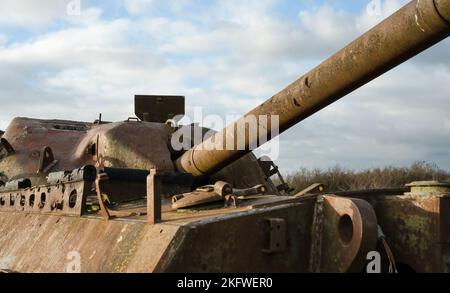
column 411, row 30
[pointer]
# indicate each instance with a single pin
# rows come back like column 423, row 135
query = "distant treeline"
column 341, row 179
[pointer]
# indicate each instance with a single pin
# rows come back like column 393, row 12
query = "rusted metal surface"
column 7, row 146
column 344, row 230
column 245, row 239
column 195, row 198
column 443, row 7
column 349, row 234
column 46, row 160
column 101, row 177
column 65, row 196
column 247, row 225
column 313, row 188
column 373, row 192
column 276, row 236
column 133, row 145
column 416, row 224
column 315, row 257
column 221, row 191
column 255, row 190
column 412, row 29
column 76, row 144
column 29, row 137
column 132, row 245
column 154, row 196
column 237, row 242
column 158, row 108
column 336, row 240
column 416, row 228
column 428, row 188
column 104, row 246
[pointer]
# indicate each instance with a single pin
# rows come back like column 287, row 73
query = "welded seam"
column 416, row 16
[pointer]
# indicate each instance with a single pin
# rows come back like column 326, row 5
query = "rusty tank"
column 118, row 197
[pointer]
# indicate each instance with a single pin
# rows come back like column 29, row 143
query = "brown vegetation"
column 340, row 179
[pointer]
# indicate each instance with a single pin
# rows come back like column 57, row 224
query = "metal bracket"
column 64, row 194
column 314, row 188
column 46, row 160
column 154, row 192
column 231, row 200
column 276, row 241
column 103, row 210
column 349, row 232
column 270, row 169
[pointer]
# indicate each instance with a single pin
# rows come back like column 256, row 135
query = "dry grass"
column 340, row 179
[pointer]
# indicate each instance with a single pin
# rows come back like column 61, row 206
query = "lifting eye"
column 7, row 146
column 92, row 149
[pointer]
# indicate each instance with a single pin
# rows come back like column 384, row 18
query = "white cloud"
column 87, row 16
column 327, row 23
column 387, row 7
column 3, row 40
column 31, row 13
column 138, row 7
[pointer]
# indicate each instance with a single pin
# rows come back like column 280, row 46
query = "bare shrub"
column 340, row 179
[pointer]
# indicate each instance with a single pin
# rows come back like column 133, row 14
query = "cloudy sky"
column 226, row 56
